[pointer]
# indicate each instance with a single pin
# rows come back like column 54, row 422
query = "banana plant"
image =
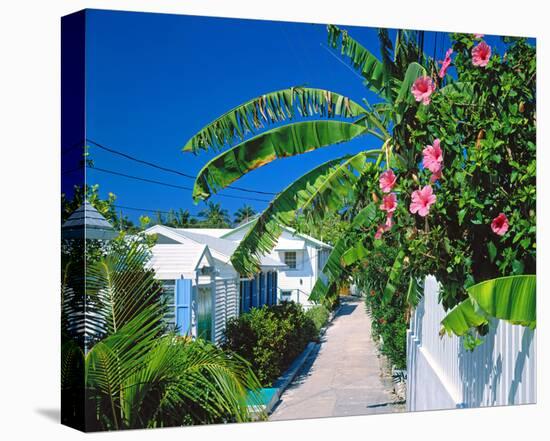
column 250, row 143
column 511, row 298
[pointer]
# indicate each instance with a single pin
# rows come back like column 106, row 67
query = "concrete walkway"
column 342, row 376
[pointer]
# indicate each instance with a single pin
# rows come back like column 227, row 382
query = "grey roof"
column 225, row 247
column 86, row 220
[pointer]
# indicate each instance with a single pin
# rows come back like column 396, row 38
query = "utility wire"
column 166, row 169
column 342, row 62
column 166, row 184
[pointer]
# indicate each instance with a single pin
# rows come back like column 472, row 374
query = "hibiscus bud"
column 406, row 260
column 521, row 107
column 375, row 197
column 480, row 136
column 415, row 178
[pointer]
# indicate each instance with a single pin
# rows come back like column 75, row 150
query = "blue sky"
column 154, row 80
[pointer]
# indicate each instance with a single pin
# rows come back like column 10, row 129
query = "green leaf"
column 511, row 298
column 281, row 142
column 271, row 108
column 370, row 67
column 353, row 254
column 414, row 71
column 492, row 251
column 366, row 216
column 461, row 318
column 393, row 277
column 333, row 269
column 315, row 193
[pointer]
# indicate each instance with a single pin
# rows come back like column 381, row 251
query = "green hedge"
column 389, row 319
column 319, row 315
column 271, row 337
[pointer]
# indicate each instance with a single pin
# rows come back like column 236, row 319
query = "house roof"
column 87, row 222
column 289, row 229
column 214, row 232
column 174, row 261
column 221, row 249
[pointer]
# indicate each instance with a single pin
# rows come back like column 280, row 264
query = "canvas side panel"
column 72, row 239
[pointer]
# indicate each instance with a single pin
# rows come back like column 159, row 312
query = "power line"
column 166, row 184
column 342, row 62
column 166, row 169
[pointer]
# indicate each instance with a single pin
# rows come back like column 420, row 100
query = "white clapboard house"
column 206, row 291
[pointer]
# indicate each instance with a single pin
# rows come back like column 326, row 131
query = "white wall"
column 442, row 374
column 304, row 276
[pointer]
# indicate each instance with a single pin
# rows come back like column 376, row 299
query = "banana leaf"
column 462, row 318
column 323, row 189
column 271, row 108
column 370, row 67
column 510, row 298
column 281, row 142
column 393, row 277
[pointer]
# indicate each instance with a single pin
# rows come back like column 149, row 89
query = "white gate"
column 442, row 374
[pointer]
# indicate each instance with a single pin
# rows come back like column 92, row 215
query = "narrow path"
column 342, row 377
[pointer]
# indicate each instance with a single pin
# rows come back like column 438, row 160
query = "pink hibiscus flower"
column 433, row 157
column 437, row 174
column 389, row 203
column 479, row 36
column 445, row 63
column 500, row 224
column 422, row 89
column 387, row 180
column 389, row 221
column 481, row 54
column 422, row 200
column 384, row 227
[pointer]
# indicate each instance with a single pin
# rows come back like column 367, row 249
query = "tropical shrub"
column 319, row 316
column 453, row 185
column 389, row 315
column 121, row 369
column 270, row 338
column 476, row 142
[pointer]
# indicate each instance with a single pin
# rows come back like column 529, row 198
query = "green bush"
column 388, row 318
column 270, row 338
column 319, row 315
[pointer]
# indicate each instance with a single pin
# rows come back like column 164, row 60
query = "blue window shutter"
column 268, row 288
column 182, row 302
column 275, row 287
column 246, row 295
column 263, row 296
column 254, row 292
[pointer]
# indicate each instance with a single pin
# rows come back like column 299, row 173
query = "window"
column 290, row 259
column 286, row 296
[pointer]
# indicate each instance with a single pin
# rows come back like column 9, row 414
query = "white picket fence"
column 441, row 374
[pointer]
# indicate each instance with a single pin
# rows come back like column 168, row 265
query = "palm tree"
column 129, row 371
column 215, row 216
column 244, row 214
column 334, row 185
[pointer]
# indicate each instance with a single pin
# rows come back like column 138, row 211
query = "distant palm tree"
column 244, row 214
column 215, row 216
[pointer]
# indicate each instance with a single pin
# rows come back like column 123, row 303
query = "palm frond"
column 281, row 142
column 274, row 107
column 119, row 288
